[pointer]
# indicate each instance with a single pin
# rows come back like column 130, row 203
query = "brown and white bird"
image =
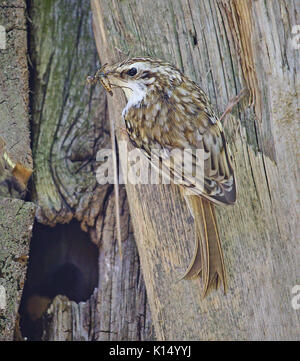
column 166, row 110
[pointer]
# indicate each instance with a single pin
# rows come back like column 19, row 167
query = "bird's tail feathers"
column 207, row 259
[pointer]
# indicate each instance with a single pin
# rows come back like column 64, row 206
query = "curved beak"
column 101, row 76
column 108, row 77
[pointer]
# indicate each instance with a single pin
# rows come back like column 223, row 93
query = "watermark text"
column 162, row 166
column 296, row 297
column 296, row 39
column 2, row 38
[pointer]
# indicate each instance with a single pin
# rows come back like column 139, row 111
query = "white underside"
column 134, row 93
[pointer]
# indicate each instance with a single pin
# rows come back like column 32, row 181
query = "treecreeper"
column 167, row 111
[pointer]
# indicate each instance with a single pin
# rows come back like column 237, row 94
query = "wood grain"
column 16, row 222
column 224, row 45
column 16, row 215
column 69, row 127
column 14, row 92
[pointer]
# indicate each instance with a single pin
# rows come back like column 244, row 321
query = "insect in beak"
column 101, row 76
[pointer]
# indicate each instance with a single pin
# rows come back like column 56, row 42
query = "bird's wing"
column 190, row 126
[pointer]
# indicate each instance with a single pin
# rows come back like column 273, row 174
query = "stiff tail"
column 207, row 259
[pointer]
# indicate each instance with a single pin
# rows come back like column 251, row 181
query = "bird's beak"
column 108, row 78
column 102, row 76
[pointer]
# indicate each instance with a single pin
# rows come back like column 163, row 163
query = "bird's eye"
column 132, row 71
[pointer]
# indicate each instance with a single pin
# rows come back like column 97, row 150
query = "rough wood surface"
column 118, row 310
column 14, row 92
column 224, row 45
column 16, row 220
column 16, row 216
column 69, row 127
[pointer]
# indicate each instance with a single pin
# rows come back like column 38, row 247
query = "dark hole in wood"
column 194, row 37
column 195, row 40
column 62, row 261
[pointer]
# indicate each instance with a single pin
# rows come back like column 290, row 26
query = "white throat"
column 135, row 93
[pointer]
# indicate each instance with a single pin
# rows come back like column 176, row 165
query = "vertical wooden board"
column 16, row 216
column 16, row 222
column 70, row 126
column 14, row 91
column 218, row 43
column 69, row 117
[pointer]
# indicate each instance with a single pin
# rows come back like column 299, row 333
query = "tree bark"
column 224, row 45
column 69, row 127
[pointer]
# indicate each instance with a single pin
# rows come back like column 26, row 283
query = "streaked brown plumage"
column 165, row 111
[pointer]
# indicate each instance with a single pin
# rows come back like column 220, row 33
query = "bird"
column 166, row 110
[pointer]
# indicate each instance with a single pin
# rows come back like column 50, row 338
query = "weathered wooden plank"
column 16, row 216
column 16, row 221
column 69, row 127
column 14, row 91
column 118, row 310
column 224, row 45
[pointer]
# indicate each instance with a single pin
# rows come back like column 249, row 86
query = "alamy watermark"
column 2, row 38
column 296, row 39
column 180, row 166
column 2, row 298
column 296, row 297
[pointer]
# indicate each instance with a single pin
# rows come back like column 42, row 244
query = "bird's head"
column 138, row 77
